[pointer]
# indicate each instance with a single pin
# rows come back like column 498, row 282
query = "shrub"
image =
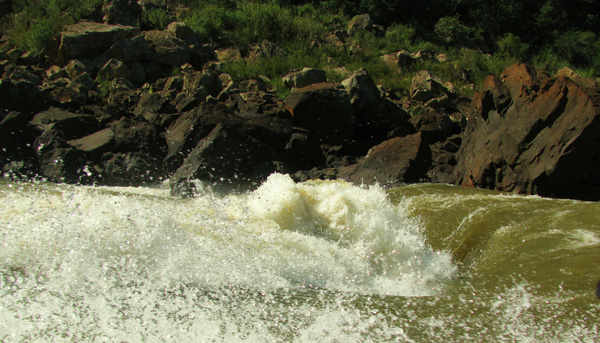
column 512, row 46
column 155, row 19
column 452, row 32
column 578, row 47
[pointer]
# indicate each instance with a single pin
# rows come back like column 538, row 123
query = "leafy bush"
column 155, row 19
column 451, row 31
column 512, row 46
column 577, row 47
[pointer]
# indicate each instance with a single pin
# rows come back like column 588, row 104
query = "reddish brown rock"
column 533, row 134
column 392, row 163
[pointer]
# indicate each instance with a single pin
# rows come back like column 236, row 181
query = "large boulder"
column 400, row 59
column 394, row 162
column 324, row 110
column 190, row 127
column 534, row 134
column 20, row 91
column 16, row 155
column 435, row 126
column 425, row 86
column 128, row 49
column 165, row 48
column 361, row 22
column 71, row 125
column 96, row 142
column 304, row 77
column 58, row 161
column 88, row 40
column 225, row 156
column 375, row 117
column 134, row 168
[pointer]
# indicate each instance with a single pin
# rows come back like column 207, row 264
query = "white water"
column 285, row 262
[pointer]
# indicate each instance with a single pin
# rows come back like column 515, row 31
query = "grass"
column 299, row 30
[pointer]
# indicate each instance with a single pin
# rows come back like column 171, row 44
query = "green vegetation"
column 33, row 23
column 478, row 36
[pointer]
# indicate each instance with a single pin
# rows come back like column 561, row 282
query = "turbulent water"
column 289, row 262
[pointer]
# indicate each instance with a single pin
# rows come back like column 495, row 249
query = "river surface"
column 296, row 262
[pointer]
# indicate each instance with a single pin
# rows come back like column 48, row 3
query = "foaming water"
column 289, row 262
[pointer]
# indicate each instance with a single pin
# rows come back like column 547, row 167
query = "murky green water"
column 312, row 262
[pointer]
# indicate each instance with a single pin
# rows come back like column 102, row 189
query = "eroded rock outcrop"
column 534, row 134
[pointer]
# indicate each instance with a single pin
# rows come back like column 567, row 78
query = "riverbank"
column 108, row 103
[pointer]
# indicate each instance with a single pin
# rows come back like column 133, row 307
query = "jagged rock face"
column 534, row 134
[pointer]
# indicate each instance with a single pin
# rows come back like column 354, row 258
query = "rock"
column 304, row 150
column 165, row 48
column 57, row 161
column 113, row 69
column 362, row 22
column 374, row 116
column 571, row 74
column 425, row 86
column 394, row 162
column 71, row 125
column 324, row 110
column 224, row 156
column 16, row 137
column 363, row 92
column 305, row 77
column 228, row 54
column 435, row 126
column 202, row 84
column 182, row 31
column 136, row 168
column 533, row 134
column 128, row 49
column 202, row 54
column 76, row 92
column 153, row 107
column 133, row 136
column 122, row 12
column 441, row 58
column 183, row 134
column 401, row 59
column 253, row 86
column 265, row 49
column 99, row 141
column 55, row 72
column 20, row 91
column 88, row 40
column 75, row 68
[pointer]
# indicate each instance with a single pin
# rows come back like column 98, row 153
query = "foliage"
column 512, row 46
column 480, row 36
column 34, row 23
column 155, row 19
column 452, row 32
